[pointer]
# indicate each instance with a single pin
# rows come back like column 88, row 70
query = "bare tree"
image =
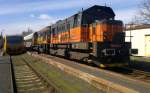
column 145, row 11
column 143, row 15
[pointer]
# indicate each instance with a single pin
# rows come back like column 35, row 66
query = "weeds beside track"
column 28, row 80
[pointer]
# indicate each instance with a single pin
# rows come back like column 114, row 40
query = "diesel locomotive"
column 91, row 35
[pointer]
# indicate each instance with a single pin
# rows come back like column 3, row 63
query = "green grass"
column 66, row 83
column 141, row 59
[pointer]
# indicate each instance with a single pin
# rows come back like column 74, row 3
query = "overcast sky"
column 19, row 15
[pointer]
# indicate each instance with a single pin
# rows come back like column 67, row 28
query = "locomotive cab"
column 109, row 46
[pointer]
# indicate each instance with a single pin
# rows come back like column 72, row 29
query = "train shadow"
column 53, row 56
column 140, row 65
column 122, row 70
column 133, row 65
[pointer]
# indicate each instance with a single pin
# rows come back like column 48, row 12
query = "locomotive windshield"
column 14, row 39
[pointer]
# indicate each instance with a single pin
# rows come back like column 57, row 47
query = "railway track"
column 142, row 75
column 28, row 80
column 125, row 71
column 134, row 73
column 123, row 76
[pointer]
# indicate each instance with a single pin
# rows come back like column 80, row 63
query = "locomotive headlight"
column 109, row 52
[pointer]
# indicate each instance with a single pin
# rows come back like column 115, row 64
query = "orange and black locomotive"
column 91, row 35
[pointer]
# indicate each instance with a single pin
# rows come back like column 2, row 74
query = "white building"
column 140, row 38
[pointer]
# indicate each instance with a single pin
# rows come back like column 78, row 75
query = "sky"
column 19, row 15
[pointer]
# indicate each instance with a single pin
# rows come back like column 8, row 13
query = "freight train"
column 91, row 35
column 14, row 44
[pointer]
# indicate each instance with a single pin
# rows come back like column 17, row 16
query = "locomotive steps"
column 102, row 84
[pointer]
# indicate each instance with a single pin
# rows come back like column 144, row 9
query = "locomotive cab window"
column 77, row 20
